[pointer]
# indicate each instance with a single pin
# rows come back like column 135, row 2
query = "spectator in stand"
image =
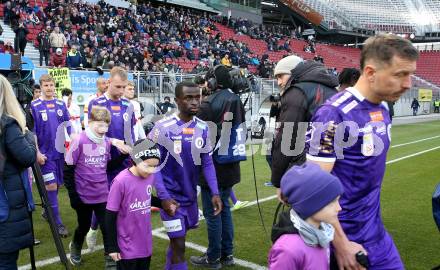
column 44, row 46
column 58, row 60
column 318, row 58
column 20, row 40
column 226, row 61
column 8, row 48
column 57, row 39
column 74, row 58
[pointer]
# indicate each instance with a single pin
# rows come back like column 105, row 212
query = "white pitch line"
column 156, row 232
column 200, row 248
column 421, row 140
column 412, row 155
column 57, row 259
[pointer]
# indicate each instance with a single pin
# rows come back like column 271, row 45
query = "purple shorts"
column 186, row 218
column 52, row 172
column 383, row 255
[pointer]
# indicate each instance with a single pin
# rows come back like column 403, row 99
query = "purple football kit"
column 355, row 134
column 91, row 161
column 185, row 151
column 130, row 197
column 121, row 127
column 48, row 116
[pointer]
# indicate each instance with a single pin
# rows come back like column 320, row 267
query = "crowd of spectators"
column 146, row 38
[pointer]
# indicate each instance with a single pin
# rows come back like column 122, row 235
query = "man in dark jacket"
column 74, row 58
column 44, row 46
column 20, row 38
column 294, row 111
column 216, row 109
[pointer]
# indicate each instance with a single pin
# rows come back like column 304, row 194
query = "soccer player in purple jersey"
column 350, row 137
column 185, row 152
column 120, row 129
column 49, row 114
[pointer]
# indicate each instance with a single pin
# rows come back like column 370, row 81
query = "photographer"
column 17, row 152
column 304, row 85
column 217, row 108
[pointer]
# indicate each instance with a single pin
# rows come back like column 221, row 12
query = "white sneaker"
column 239, row 205
column 200, row 214
column 91, row 239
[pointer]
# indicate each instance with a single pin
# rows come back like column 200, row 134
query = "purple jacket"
column 291, row 253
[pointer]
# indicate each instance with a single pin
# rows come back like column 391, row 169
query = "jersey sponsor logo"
column 115, row 108
column 48, row 177
column 172, row 225
column 188, row 131
column 50, row 105
column 376, row 116
column 143, row 206
column 368, row 145
column 177, row 146
column 44, row 116
column 60, row 112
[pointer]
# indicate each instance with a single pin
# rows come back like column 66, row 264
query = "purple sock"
column 53, row 202
column 94, row 225
column 233, row 198
column 168, row 259
column 179, row 266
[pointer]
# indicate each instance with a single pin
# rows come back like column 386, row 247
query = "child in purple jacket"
column 85, row 177
column 302, row 243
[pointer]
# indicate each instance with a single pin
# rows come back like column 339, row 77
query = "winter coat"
column 57, row 60
column 18, row 153
column 294, row 109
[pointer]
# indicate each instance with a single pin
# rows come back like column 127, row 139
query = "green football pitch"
column 412, row 173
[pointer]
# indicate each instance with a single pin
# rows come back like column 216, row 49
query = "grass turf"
column 406, row 209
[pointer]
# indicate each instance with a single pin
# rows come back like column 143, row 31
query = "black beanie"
column 144, row 149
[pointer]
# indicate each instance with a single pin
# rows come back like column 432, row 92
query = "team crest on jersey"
column 44, row 116
column 368, row 145
column 376, row 116
column 177, row 146
column 199, row 142
column 125, row 116
column 149, row 190
column 101, row 150
column 60, row 112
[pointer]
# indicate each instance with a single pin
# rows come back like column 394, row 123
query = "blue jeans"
column 220, row 227
column 8, row 261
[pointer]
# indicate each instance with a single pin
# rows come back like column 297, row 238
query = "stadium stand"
column 187, row 40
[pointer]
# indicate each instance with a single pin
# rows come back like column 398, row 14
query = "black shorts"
column 134, row 264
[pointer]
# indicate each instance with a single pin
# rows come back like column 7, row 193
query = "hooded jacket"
column 296, row 108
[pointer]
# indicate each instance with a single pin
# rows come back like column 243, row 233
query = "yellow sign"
column 425, row 95
column 61, row 77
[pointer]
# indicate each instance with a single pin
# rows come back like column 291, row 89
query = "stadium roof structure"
column 417, row 17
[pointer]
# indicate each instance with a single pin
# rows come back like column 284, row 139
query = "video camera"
column 240, row 82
